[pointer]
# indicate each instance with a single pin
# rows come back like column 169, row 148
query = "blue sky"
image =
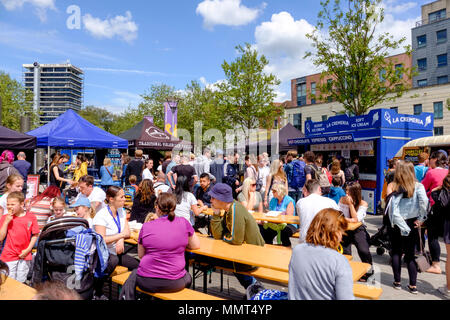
column 126, row 46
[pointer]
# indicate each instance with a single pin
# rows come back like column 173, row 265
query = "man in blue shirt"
column 23, row 166
column 422, row 168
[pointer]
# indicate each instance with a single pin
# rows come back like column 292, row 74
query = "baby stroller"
column 381, row 240
column 57, row 260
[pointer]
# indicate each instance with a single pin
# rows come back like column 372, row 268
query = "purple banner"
column 170, row 117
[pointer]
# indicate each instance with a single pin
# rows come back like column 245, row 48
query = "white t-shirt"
column 308, row 207
column 104, row 218
column 3, row 199
column 159, row 168
column 184, row 208
column 361, row 213
column 263, row 174
column 97, row 195
column 146, row 174
column 160, row 187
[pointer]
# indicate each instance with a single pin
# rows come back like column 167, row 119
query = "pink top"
column 433, row 179
column 164, row 242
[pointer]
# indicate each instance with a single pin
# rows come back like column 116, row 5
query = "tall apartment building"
column 430, row 45
column 56, row 88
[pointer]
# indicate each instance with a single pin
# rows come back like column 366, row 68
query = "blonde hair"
column 11, row 180
column 246, row 185
column 280, row 189
column 405, row 177
column 276, row 170
column 138, row 153
column 325, row 227
column 107, row 162
column 335, row 166
column 150, row 217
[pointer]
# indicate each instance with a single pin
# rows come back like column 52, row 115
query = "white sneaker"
column 444, row 291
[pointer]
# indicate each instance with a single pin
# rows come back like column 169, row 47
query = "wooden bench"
column 360, row 290
column 117, row 271
column 185, row 294
column 365, row 291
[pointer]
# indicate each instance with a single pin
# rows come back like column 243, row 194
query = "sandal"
column 366, row 276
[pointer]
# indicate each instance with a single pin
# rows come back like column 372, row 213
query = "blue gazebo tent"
column 376, row 136
column 70, row 130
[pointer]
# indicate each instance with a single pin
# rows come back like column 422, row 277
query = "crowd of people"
column 170, row 201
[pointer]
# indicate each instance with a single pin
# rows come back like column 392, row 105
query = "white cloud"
column 125, row 99
column 210, row 86
column 135, row 71
column 121, row 26
column 393, row 7
column 41, row 6
column 283, row 41
column 226, row 12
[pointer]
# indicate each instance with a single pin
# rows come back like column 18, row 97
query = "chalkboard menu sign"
column 412, row 153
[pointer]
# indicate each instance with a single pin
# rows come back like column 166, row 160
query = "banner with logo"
column 170, row 119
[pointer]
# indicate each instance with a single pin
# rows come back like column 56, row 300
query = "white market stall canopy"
column 435, row 141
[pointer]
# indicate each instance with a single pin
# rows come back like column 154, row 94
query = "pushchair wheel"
column 380, row 251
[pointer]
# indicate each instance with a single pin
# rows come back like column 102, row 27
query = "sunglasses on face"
column 253, row 184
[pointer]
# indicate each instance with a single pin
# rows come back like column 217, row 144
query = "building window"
column 382, row 75
column 438, row 131
column 422, row 41
column 442, row 60
column 441, row 36
column 298, row 121
column 442, row 79
column 330, row 84
column 417, row 109
column 275, row 123
column 398, row 71
column 308, row 118
column 313, row 101
column 437, row 15
column 313, row 88
column 330, row 99
column 438, row 110
column 324, row 118
column 422, row 64
column 422, row 83
column 395, row 108
column 301, row 94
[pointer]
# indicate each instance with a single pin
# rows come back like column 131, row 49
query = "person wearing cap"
column 235, row 227
column 83, row 209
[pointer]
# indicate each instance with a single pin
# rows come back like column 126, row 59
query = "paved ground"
column 427, row 283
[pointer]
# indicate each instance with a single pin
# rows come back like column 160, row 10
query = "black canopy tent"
column 10, row 139
column 145, row 135
column 285, row 133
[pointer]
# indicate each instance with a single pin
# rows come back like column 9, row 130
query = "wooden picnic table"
column 272, row 257
column 282, row 219
column 12, row 289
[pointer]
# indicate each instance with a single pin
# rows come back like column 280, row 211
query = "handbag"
column 423, row 259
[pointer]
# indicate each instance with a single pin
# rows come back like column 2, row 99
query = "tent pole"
column 48, row 166
column 34, row 162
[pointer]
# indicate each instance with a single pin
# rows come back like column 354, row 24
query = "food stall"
column 374, row 138
column 412, row 149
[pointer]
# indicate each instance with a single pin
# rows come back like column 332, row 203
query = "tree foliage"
column 16, row 102
column 246, row 96
column 100, row 117
column 354, row 56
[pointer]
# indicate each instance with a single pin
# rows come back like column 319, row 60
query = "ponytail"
column 167, row 203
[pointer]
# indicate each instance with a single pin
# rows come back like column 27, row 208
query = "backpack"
column 349, row 175
column 130, row 192
column 298, row 177
column 322, row 176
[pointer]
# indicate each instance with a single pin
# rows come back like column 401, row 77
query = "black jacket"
column 135, row 167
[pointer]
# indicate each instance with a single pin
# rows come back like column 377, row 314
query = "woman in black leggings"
column 407, row 211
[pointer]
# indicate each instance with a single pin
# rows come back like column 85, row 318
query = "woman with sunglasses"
column 249, row 197
column 317, row 271
column 354, row 210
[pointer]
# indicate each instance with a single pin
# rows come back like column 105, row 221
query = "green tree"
column 245, row 98
column 347, row 48
column 16, row 102
column 100, row 117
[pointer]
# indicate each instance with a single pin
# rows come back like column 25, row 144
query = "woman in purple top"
column 161, row 246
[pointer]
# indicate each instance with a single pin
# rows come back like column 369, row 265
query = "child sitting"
column 21, row 231
column 58, row 208
column 336, row 192
column 84, row 210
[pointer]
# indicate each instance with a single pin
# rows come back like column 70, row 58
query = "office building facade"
column 55, row 87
